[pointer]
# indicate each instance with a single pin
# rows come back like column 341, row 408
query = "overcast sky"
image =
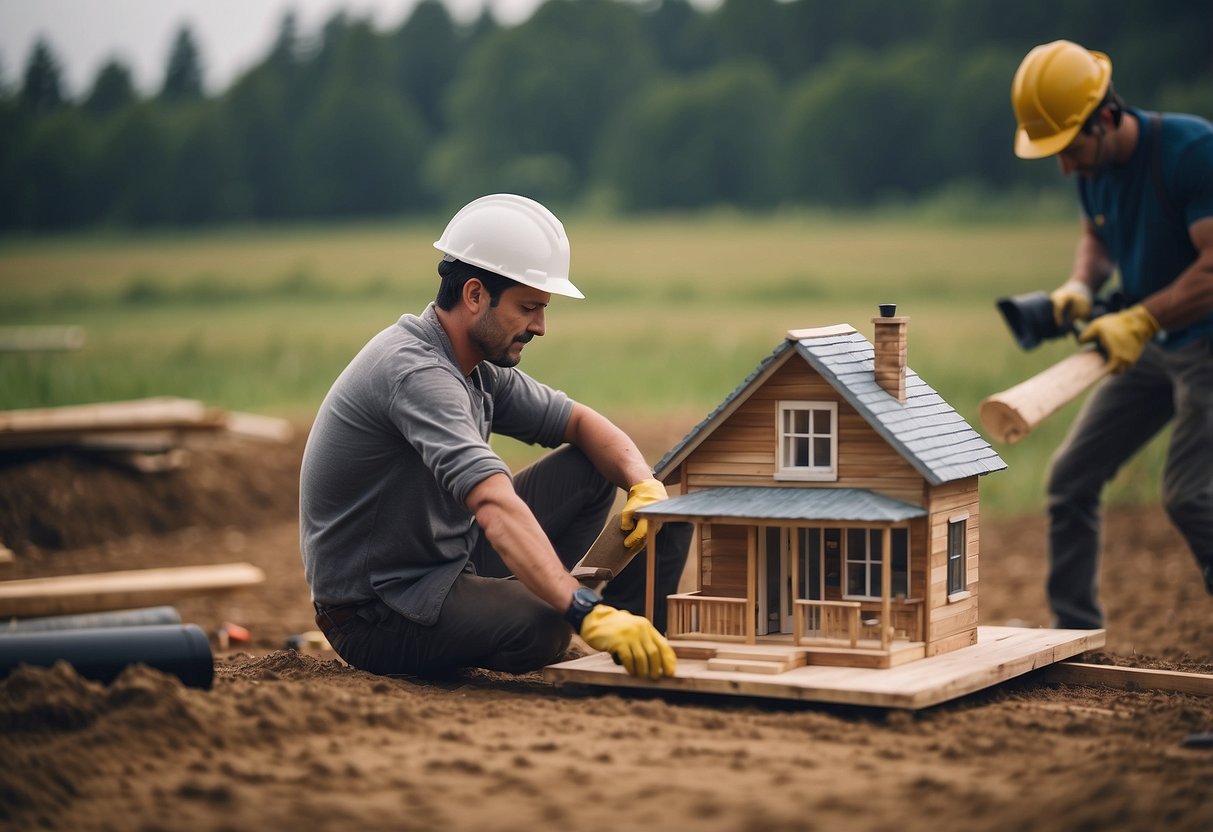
column 231, row 34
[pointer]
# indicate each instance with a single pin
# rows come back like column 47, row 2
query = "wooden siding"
column 951, row 625
column 742, row 450
column 723, row 562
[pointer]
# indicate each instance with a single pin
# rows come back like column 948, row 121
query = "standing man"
column 1145, row 182
column 411, row 524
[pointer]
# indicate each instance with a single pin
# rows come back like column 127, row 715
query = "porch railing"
column 720, row 618
column 906, row 619
column 826, row 620
column 706, row 616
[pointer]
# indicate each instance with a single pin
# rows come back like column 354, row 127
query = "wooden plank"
column 120, row 590
column 607, row 551
column 1001, row 653
column 157, row 412
column 255, row 426
column 1129, row 678
column 819, row 332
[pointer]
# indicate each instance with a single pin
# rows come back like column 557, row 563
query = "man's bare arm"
column 1092, row 265
column 611, row 450
column 1190, row 297
column 511, row 528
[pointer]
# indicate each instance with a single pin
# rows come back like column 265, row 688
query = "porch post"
column 886, row 588
column 751, row 585
column 794, row 554
column 650, row 571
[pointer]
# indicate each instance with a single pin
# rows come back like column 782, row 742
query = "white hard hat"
column 512, row 236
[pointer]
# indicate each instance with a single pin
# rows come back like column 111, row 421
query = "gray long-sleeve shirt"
column 398, row 443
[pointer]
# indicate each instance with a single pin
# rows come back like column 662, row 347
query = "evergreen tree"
column 183, row 75
column 42, row 89
column 286, row 49
column 426, row 59
column 112, row 90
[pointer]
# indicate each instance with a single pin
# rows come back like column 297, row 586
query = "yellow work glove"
column 643, row 493
column 1071, row 302
column 631, row 639
column 1123, row 335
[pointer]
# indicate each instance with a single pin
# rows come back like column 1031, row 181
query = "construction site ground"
column 288, row 739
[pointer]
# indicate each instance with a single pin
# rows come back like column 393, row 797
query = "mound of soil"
column 288, row 738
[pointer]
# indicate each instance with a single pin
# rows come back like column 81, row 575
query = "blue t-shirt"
column 1148, row 241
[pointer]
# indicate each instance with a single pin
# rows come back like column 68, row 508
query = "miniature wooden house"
column 835, row 500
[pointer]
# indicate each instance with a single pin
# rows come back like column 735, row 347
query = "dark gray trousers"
column 1119, row 417
column 494, row 622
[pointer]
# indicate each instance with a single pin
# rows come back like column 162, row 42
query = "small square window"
column 808, row 446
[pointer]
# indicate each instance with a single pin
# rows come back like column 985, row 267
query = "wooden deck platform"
column 1001, row 653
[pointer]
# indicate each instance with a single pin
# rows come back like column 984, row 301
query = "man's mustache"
column 524, row 338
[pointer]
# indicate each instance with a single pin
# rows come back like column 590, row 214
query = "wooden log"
column 119, row 590
column 1129, row 678
column 1011, row 415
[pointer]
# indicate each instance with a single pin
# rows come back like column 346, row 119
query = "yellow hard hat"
column 1057, row 86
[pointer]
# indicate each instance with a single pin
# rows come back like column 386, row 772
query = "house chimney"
column 891, row 351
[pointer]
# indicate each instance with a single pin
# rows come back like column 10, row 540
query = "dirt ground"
column 295, row 740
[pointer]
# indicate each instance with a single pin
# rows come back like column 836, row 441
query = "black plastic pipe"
column 103, row 653
column 142, row 617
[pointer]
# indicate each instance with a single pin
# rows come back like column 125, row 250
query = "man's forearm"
column 1190, row 297
column 1092, row 265
column 611, row 450
column 513, row 531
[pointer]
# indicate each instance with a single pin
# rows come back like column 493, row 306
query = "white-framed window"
column 808, row 441
column 958, row 529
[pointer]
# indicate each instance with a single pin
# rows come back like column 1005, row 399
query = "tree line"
column 619, row 105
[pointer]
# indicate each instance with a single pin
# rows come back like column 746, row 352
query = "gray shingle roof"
column 924, row 429
column 827, row 504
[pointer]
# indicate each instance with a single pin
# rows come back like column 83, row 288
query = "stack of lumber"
column 73, row 594
column 147, row 434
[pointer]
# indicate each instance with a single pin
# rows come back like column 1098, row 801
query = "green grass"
column 678, row 311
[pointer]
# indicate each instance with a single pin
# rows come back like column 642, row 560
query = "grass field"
column 678, row 311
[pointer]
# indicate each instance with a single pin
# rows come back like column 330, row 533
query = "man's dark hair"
column 1113, row 103
column 456, row 273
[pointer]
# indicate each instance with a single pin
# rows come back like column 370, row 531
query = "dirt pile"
column 64, row 500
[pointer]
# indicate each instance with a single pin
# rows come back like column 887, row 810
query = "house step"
column 758, row 654
column 739, row 662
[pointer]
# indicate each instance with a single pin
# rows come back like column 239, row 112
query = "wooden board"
column 606, row 557
column 157, row 412
column 1129, row 678
column 119, row 590
column 146, row 425
column 1001, row 653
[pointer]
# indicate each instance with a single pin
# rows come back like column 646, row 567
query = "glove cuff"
column 645, row 485
column 1078, row 288
column 1148, row 322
